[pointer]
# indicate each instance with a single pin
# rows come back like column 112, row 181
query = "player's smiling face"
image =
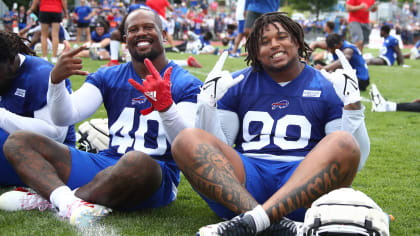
column 277, row 49
column 143, row 36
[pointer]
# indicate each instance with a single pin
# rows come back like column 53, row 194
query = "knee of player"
column 15, row 142
column 184, row 141
column 133, row 161
column 348, row 149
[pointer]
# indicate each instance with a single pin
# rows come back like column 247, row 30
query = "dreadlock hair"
column 11, row 44
column 292, row 27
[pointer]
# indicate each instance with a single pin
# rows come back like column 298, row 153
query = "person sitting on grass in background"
column 353, row 55
column 379, row 104
column 322, row 56
column 82, row 185
column 98, row 47
column 414, row 52
column 23, row 103
column 199, row 44
column 390, row 50
column 285, row 121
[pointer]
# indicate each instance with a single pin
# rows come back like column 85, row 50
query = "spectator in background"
column 240, row 18
column 253, row 9
column 50, row 14
column 342, row 31
column 22, row 18
column 359, row 27
column 414, row 9
column 8, row 21
column 83, row 16
column 390, row 50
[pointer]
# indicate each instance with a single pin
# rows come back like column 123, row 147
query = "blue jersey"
column 262, row 6
column 281, row 122
column 356, row 61
column 82, row 12
column 28, row 92
column 98, row 38
column 133, row 7
column 128, row 129
column 387, row 51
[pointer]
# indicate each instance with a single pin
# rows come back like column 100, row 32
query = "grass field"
column 390, row 176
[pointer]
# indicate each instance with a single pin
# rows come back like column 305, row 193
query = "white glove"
column 218, row 82
column 344, row 81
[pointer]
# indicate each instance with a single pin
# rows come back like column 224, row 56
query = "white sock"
column 261, row 219
column 182, row 63
column 391, row 106
column 115, row 48
column 60, row 198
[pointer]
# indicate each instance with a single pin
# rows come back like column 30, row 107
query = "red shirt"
column 51, row 6
column 361, row 16
column 159, row 6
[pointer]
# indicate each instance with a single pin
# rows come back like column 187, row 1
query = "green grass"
column 390, row 176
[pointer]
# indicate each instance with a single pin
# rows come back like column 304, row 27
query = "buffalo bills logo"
column 282, row 104
column 138, row 100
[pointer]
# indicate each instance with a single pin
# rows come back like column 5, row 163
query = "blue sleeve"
column 96, row 80
column 230, row 101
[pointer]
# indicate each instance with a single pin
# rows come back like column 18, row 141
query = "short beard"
column 283, row 68
column 153, row 54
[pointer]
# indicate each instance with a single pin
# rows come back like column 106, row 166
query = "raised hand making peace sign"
column 67, row 65
column 156, row 89
column 218, row 82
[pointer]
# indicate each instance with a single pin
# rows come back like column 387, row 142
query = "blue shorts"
column 263, row 179
column 241, row 26
column 8, row 176
column 85, row 166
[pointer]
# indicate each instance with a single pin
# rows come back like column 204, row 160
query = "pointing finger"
column 136, row 85
column 74, row 52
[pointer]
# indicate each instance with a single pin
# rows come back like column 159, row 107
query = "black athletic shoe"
column 241, row 225
column 284, row 227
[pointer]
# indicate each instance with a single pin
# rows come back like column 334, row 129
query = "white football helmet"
column 345, row 211
column 93, row 135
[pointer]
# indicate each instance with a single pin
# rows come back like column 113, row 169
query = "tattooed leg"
column 40, row 162
column 330, row 165
column 213, row 168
